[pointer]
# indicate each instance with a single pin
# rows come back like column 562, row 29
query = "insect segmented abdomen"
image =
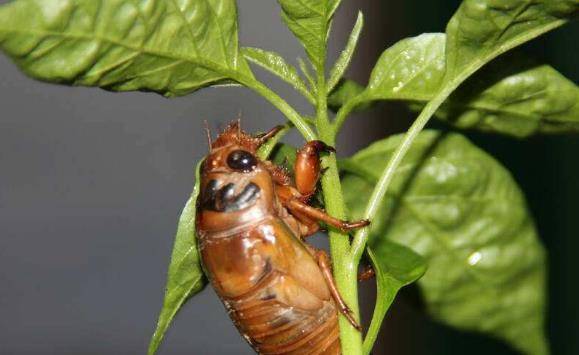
column 273, row 310
column 273, row 327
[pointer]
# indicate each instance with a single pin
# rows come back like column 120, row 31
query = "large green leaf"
column 512, row 95
column 309, row 21
column 482, row 29
column 185, row 277
column 395, row 266
column 171, row 47
column 479, row 31
column 462, row 211
column 517, row 97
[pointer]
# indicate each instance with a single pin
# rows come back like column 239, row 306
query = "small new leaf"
column 309, row 21
column 412, row 69
column 395, row 266
column 306, row 71
column 462, row 211
column 276, row 64
column 346, row 56
column 168, row 47
column 185, row 277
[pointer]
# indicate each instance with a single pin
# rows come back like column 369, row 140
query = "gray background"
column 92, row 183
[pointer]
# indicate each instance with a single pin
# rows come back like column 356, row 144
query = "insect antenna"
column 208, row 133
column 239, row 124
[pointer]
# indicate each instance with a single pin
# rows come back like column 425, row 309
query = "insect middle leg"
column 297, row 207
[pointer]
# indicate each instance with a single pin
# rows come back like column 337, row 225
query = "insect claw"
column 263, row 137
column 330, row 149
column 348, row 226
column 320, row 146
column 347, row 312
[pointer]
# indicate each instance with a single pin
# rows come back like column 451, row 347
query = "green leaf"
column 517, row 97
column 309, row 21
column 461, row 210
column 512, row 95
column 185, row 277
column 412, row 69
column 346, row 56
column 480, row 30
column 275, row 64
column 170, row 47
column 304, row 68
column 395, row 266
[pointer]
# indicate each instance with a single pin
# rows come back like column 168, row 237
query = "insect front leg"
column 264, row 137
column 307, row 167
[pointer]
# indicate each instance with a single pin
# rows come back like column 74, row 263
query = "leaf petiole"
column 291, row 114
column 361, row 237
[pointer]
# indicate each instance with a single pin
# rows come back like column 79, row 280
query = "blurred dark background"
column 92, row 183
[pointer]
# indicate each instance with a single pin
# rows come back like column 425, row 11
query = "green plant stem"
column 387, row 175
column 345, row 110
column 361, row 237
column 345, row 272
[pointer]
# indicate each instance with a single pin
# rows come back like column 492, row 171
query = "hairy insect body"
column 277, row 289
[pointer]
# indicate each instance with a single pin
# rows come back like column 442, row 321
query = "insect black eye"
column 241, row 160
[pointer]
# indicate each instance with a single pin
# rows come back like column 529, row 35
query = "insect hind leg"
column 325, row 265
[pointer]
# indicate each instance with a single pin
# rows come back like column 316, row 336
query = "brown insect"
column 251, row 221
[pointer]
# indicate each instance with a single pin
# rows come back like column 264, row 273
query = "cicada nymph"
column 252, row 219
